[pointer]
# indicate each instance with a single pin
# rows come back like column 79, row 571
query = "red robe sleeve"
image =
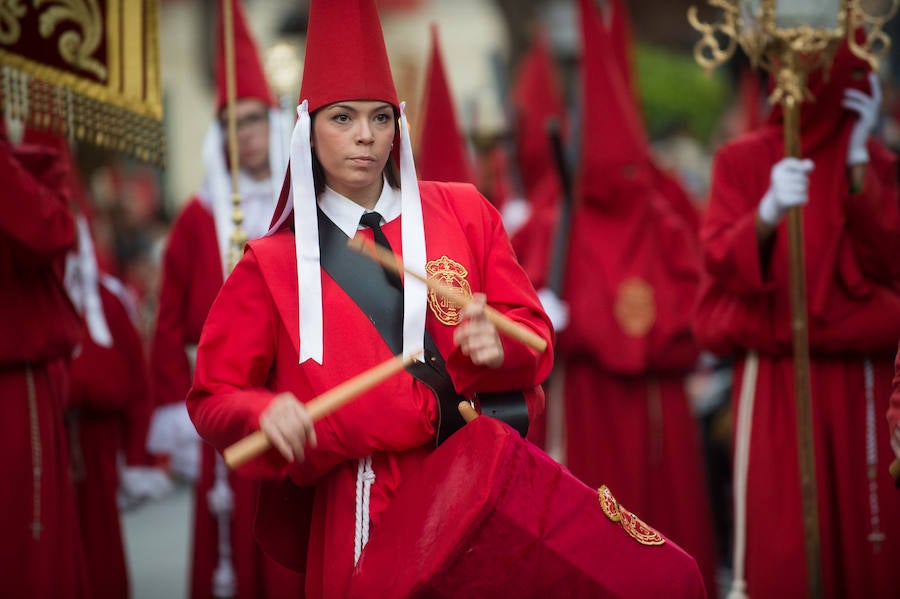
column 229, row 390
column 36, row 230
column 873, row 217
column 191, row 278
column 139, row 408
column 113, row 380
column 729, row 232
column 39, row 229
column 510, row 292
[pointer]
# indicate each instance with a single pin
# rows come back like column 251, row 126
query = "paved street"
column 157, row 537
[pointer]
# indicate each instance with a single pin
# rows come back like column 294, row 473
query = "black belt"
column 383, row 304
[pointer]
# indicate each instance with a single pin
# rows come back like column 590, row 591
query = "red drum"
column 491, row 515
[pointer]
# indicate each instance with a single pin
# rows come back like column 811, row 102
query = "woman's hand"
column 477, row 337
column 288, row 426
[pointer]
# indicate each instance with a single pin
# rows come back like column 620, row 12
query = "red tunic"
column 109, row 413
column 853, row 287
column 41, row 552
column 192, row 276
column 632, row 276
column 238, row 374
column 893, row 414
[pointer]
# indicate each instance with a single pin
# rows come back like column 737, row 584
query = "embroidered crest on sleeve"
column 452, row 274
column 636, row 528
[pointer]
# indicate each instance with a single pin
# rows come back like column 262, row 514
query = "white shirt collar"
column 345, row 213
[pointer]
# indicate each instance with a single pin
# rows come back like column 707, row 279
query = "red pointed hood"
column 536, row 99
column 750, row 98
column 614, row 155
column 250, row 78
column 442, row 148
column 620, row 36
column 345, row 55
column 823, row 119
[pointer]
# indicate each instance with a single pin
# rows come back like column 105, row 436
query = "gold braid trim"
column 636, row 528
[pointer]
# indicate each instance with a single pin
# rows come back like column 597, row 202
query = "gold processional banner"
column 87, row 69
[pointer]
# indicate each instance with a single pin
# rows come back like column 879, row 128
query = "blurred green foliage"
column 676, row 93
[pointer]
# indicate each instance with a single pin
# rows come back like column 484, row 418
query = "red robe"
column 893, row 414
column 192, row 276
column 632, row 277
column 109, row 413
column 853, row 289
column 41, row 552
column 238, row 374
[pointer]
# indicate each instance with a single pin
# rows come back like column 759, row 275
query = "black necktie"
column 373, row 221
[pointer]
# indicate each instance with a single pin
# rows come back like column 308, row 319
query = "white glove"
column 788, row 188
column 515, row 214
column 172, row 433
column 867, row 108
column 556, row 309
column 140, row 483
column 220, row 498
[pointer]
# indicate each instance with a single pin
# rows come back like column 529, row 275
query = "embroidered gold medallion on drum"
column 452, row 274
column 636, row 528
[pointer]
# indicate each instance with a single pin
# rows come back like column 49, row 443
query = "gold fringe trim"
column 80, row 109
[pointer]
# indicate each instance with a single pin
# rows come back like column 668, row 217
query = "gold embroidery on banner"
column 635, row 307
column 75, row 47
column 10, row 28
column 122, row 112
column 453, row 274
column 636, row 528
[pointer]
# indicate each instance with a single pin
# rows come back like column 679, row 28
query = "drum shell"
column 491, row 515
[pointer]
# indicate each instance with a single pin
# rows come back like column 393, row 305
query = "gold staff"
column 238, row 236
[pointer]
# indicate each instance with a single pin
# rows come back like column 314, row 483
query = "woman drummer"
column 327, row 482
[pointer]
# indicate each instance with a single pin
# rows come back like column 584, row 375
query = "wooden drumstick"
column 256, row 443
column 894, row 469
column 504, row 325
column 467, row 411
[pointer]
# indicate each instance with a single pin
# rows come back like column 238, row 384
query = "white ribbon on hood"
column 215, row 192
column 82, row 281
column 306, row 242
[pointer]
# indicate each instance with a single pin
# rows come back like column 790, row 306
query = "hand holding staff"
column 504, row 325
column 256, row 443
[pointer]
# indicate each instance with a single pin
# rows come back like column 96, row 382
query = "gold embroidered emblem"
column 609, row 504
column 452, row 274
column 636, row 528
column 639, row 530
column 635, row 307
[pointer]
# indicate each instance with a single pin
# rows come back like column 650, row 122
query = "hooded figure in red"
column 633, row 275
column 537, row 102
column 196, row 262
column 851, row 224
column 109, row 406
column 42, row 551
